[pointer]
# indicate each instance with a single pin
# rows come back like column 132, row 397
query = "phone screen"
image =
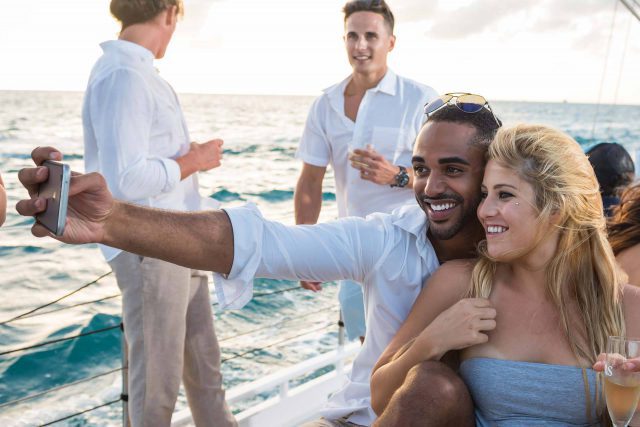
column 56, row 191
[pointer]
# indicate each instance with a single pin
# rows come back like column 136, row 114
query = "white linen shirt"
column 133, row 129
column 389, row 118
column 388, row 253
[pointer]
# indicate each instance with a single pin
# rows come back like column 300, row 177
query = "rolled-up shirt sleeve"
column 344, row 249
column 122, row 109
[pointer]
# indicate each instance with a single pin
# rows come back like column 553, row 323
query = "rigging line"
column 42, row 393
column 80, row 413
column 15, row 227
column 266, row 294
column 84, row 334
column 631, row 9
column 604, row 70
column 238, row 355
column 71, row 306
column 56, row 301
column 274, row 324
column 624, row 54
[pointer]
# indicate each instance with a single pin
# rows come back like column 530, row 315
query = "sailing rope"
column 604, row 70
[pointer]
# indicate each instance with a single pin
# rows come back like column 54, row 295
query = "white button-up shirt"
column 388, row 253
column 133, row 129
column 389, row 118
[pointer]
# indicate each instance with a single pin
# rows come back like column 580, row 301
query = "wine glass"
column 621, row 387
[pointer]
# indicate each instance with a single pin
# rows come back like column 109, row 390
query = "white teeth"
column 438, row 208
column 496, row 229
column 362, row 57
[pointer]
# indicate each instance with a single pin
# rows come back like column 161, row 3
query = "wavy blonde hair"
column 583, row 269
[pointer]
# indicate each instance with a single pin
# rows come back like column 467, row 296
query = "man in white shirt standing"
column 364, row 127
column 136, row 136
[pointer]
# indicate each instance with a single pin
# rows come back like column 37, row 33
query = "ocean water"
column 283, row 325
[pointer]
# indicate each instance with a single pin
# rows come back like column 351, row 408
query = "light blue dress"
column 509, row 393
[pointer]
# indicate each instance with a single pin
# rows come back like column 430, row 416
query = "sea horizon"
column 312, row 95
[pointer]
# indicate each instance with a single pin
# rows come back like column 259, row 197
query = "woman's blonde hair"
column 583, row 269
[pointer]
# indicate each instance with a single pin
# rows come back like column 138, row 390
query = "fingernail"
column 54, row 155
column 39, row 203
column 40, row 171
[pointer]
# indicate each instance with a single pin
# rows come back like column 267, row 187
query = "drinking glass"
column 621, row 387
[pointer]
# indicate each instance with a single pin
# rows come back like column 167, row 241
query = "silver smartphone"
column 56, row 191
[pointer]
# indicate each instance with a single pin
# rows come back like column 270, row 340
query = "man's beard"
column 467, row 217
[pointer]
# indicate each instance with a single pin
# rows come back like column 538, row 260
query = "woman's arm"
column 631, row 310
column 439, row 321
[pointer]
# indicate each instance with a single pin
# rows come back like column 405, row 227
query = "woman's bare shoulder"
column 455, row 275
column 460, row 268
column 628, row 260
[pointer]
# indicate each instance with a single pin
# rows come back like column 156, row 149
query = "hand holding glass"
column 621, row 386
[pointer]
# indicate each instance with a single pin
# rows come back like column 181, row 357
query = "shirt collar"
column 127, row 47
column 412, row 219
column 387, row 84
column 335, row 93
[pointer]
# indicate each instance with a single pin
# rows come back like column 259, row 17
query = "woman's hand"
column 631, row 365
column 460, row 326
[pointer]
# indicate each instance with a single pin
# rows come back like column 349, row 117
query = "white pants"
column 169, row 330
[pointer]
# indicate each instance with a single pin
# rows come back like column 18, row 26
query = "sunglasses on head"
column 466, row 102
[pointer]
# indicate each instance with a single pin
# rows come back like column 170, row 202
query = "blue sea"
column 283, row 325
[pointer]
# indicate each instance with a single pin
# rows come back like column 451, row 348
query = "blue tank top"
column 508, row 393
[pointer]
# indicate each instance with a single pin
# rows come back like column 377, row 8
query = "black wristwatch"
column 402, row 178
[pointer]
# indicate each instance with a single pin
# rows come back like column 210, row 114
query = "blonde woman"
column 529, row 318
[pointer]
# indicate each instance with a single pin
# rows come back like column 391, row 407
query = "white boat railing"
column 292, row 405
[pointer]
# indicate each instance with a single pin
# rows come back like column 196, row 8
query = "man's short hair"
column 613, row 166
column 376, row 6
column 483, row 121
column 130, row 12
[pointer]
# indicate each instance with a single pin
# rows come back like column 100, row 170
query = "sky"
column 520, row 50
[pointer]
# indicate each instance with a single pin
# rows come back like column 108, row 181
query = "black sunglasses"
column 466, row 102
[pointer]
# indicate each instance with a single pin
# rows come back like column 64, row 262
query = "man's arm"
column 439, row 321
column 121, row 111
column 308, row 195
column 308, row 203
column 201, row 240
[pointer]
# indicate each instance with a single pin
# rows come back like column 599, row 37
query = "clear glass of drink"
column 621, row 387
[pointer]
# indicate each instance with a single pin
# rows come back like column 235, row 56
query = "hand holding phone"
column 56, row 191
